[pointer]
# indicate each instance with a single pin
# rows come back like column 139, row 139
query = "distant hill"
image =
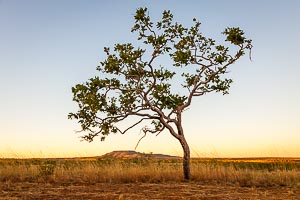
column 134, row 154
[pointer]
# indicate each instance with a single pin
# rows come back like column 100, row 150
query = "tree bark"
column 186, row 158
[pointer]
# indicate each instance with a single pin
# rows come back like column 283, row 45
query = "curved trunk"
column 186, row 158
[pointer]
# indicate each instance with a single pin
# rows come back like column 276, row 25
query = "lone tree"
column 133, row 82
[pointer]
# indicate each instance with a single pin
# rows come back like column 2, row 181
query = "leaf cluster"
column 132, row 84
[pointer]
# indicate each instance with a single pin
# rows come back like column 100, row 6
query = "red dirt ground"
column 169, row 190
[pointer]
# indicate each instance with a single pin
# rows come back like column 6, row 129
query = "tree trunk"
column 186, row 158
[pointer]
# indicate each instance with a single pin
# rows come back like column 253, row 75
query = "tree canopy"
column 133, row 82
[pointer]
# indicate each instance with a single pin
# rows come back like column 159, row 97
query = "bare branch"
column 140, row 140
column 147, row 130
column 123, row 132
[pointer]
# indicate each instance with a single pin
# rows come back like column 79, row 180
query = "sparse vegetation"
column 152, row 170
column 149, row 173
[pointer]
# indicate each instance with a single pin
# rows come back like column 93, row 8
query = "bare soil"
column 123, row 191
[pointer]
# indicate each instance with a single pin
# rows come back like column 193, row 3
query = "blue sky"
column 46, row 47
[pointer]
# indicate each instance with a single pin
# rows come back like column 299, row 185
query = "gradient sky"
column 46, row 47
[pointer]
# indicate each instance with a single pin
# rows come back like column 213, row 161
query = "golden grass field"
column 147, row 177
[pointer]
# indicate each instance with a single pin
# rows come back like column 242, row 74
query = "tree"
column 132, row 81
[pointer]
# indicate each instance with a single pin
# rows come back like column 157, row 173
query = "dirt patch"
column 170, row 190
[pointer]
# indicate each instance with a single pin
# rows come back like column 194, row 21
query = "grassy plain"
column 147, row 177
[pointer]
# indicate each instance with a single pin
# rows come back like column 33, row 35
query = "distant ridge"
column 127, row 154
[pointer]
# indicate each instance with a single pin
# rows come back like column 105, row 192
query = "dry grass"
column 147, row 178
column 147, row 170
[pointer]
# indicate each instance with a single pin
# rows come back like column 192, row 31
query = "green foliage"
column 131, row 83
